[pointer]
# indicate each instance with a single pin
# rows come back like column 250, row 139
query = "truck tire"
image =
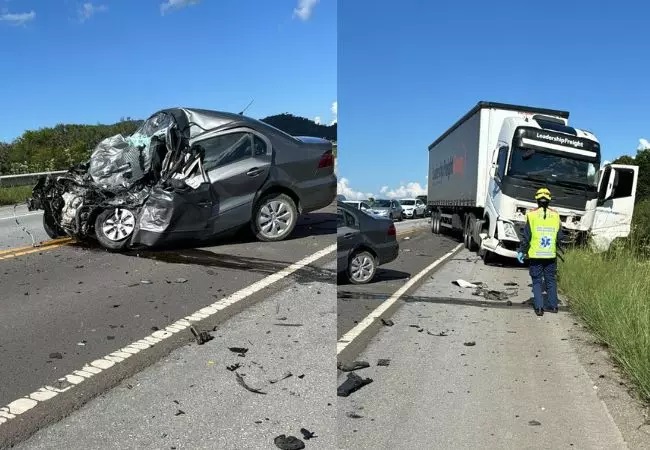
column 435, row 222
column 466, row 236
column 472, row 246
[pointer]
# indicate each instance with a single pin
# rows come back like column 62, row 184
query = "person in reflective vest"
column 542, row 233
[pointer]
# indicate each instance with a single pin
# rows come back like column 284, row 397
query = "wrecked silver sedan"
column 187, row 174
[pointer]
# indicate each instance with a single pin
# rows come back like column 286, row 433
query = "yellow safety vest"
column 543, row 233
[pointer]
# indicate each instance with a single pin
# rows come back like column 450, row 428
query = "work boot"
column 554, row 310
column 539, row 311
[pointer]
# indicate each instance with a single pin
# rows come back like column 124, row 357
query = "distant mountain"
column 300, row 126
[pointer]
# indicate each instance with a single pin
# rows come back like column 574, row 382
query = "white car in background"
column 413, row 207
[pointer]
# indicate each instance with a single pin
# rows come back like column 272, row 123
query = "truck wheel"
column 471, row 246
column 114, row 227
column 437, row 217
column 466, row 232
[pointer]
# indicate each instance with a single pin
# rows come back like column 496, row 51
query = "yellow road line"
column 47, row 245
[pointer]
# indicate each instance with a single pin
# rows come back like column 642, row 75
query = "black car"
column 189, row 173
column 364, row 242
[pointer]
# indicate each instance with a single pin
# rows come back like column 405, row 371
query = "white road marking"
column 18, row 216
column 69, row 381
column 355, row 332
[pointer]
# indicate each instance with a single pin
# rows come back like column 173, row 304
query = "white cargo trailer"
column 485, row 169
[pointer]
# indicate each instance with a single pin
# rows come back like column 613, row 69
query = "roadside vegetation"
column 14, row 194
column 611, row 291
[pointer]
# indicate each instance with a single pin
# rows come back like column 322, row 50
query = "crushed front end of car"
column 130, row 190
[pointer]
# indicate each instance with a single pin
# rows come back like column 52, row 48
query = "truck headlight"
column 509, row 231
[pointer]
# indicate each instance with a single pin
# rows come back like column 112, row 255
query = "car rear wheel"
column 114, row 227
column 362, row 267
column 274, row 218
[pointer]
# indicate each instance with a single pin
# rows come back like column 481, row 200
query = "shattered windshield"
column 118, row 162
column 551, row 167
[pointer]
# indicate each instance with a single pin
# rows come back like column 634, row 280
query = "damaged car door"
column 237, row 162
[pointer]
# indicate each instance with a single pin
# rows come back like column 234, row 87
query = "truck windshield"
column 548, row 166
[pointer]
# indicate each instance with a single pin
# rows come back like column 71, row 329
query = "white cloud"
column 411, row 189
column 176, row 4
column 317, row 120
column 335, row 112
column 343, row 188
column 18, row 19
column 643, row 145
column 304, row 9
column 87, row 10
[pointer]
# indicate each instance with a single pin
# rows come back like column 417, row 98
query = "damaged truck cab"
column 499, row 155
column 189, row 174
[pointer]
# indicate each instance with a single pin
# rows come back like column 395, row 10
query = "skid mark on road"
column 20, row 251
column 68, row 382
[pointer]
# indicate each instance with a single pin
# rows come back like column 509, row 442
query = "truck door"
column 615, row 207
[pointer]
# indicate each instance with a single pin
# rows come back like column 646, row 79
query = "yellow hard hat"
column 543, row 193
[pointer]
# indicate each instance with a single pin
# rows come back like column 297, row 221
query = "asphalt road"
column 288, row 334
column 13, row 235
column 418, row 248
column 63, row 307
column 466, row 371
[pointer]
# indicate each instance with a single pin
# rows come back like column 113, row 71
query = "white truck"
column 485, row 169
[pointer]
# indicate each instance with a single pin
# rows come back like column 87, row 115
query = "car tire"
column 401, row 217
column 277, row 207
column 51, row 228
column 366, row 267
column 114, row 228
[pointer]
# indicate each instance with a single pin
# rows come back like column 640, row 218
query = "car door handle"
column 255, row 171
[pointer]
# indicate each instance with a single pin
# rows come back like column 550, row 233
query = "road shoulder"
column 522, row 384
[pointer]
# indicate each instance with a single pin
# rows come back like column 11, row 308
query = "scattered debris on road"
column 241, row 351
column 387, row 322
column 243, row 384
column 353, row 415
column 288, row 324
column 56, row 355
column 469, row 344
column 283, row 377
column 510, row 283
column 352, row 384
column 201, row 337
column 464, row 284
column 307, row 435
column 383, row 362
column 180, row 412
column 145, row 282
column 233, row 367
column 355, row 365
column 508, row 303
column 534, row 423
column 288, row 442
column 441, row 334
column 181, row 280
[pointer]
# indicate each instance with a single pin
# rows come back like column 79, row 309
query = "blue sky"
column 409, row 69
column 66, row 61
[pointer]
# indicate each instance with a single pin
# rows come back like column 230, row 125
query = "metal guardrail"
column 25, row 179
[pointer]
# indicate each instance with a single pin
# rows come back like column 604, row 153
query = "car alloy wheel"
column 120, row 225
column 362, row 268
column 275, row 217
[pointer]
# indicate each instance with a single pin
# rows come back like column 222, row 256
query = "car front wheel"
column 274, row 218
column 362, row 267
column 114, row 227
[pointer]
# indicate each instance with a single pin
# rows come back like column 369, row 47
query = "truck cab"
column 534, row 151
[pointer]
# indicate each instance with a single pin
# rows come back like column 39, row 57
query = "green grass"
column 611, row 293
column 15, row 194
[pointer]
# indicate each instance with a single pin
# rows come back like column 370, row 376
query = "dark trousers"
column 543, row 270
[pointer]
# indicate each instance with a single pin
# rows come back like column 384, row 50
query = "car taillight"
column 391, row 230
column 327, row 160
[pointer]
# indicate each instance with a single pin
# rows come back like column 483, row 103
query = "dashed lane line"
column 68, row 382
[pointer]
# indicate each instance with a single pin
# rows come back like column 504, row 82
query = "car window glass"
column 259, row 146
column 340, row 219
column 350, row 220
column 226, row 149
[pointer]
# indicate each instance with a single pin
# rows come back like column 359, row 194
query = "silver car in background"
column 389, row 209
